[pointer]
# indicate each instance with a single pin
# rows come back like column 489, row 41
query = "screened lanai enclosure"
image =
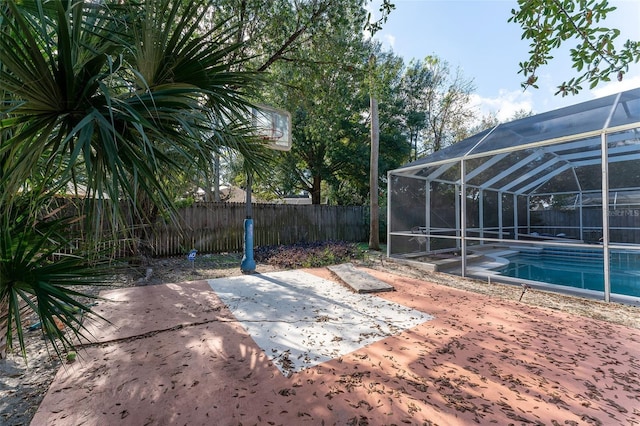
column 552, row 198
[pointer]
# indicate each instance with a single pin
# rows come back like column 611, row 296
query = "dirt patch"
column 611, row 312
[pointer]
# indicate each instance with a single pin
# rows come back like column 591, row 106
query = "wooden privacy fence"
column 219, row 227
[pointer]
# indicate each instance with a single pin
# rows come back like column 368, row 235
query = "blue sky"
column 475, row 36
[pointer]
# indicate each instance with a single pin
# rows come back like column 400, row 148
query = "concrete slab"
column 301, row 320
column 359, row 280
column 481, row 360
column 187, row 376
column 137, row 311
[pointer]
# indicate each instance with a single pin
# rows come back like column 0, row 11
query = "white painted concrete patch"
column 301, row 320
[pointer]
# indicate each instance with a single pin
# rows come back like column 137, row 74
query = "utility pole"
column 374, row 225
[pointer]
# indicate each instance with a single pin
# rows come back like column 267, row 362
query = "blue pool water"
column 577, row 268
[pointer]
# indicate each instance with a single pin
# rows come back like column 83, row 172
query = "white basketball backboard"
column 273, row 126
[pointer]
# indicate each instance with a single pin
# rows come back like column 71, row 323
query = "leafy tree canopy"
column 597, row 53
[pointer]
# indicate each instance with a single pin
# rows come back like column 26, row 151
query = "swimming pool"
column 578, row 268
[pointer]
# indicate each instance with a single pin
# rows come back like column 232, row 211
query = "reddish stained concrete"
column 481, row 360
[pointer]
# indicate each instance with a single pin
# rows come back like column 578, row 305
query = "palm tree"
column 119, row 98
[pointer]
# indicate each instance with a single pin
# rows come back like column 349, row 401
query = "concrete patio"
column 297, row 347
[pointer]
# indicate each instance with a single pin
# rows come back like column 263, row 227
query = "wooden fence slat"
column 215, row 227
column 219, row 227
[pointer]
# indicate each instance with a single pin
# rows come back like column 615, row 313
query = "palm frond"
column 123, row 96
column 36, row 273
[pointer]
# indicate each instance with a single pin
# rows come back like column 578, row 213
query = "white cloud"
column 388, row 40
column 507, row 102
column 603, row 89
column 505, row 105
column 613, row 87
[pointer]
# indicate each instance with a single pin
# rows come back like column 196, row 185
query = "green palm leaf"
column 123, row 97
column 34, row 272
